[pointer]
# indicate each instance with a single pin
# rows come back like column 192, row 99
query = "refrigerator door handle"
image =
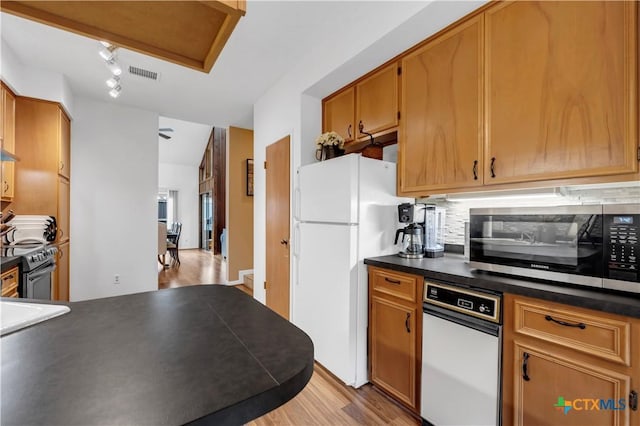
column 296, row 251
column 296, row 203
column 296, row 240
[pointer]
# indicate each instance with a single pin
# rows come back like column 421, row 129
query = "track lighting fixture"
column 113, row 81
column 115, row 92
column 107, row 51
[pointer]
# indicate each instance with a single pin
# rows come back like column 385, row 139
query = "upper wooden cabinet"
column 441, row 126
column 64, row 146
column 370, row 105
column 522, row 92
column 377, row 101
column 189, row 33
column 7, row 133
column 339, row 114
column 561, row 90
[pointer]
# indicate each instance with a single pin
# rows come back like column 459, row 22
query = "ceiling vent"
column 141, row 72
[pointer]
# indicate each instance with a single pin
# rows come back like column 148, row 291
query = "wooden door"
column 393, row 348
column 440, row 144
column 62, row 218
column 377, row 101
column 65, row 146
column 61, row 291
column 338, row 114
column 278, row 182
column 560, row 391
column 561, row 90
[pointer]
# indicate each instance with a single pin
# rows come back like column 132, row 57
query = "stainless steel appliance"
column 412, row 241
column 414, row 233
column 37, row 262
column 461, row 356
column 434, row 230
column 429, row 219
column 591, row 245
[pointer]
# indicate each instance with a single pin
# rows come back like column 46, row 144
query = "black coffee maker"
column 412, row 234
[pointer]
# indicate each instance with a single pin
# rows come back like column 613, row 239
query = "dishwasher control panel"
column 471, row 302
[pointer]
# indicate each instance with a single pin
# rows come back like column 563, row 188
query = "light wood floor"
column 325, row 400
column 196, row 267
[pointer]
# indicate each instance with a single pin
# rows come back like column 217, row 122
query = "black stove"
column 36, row 261
column 32, row 256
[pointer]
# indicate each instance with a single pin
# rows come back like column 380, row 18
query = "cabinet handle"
column 6, row 186
column 475, row 169
column 61, row 166
column 8, row 277
column 389, row 280
column 349, row 130
column 284, row 242
column 361, row 126
column 580, row 325
column 493, row 167
column 525, row 367
column 406, row 323
column 61, row 253
column 633, row 400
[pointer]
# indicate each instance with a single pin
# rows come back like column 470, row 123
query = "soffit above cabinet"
column 188, row 33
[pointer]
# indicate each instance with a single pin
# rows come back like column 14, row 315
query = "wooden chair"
column 172, row 244
column 162, row 242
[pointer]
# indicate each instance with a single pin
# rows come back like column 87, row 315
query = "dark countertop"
column 8, row 262
column 453, row 269
column 208, row 354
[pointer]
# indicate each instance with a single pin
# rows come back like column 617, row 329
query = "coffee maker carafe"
column 412, row 234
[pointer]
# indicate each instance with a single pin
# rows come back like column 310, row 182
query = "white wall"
column 34, row 82
column 114, row 188
column 183, row 179
column 292, row 106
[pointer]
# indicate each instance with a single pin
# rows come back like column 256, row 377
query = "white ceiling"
column 267, row 42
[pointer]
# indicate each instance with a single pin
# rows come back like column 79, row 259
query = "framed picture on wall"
column 250, row 177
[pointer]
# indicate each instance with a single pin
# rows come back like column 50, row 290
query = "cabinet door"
column 338, row 114
column 554, row 390
column 7, row 180
column 561, row 89
column 8, row 120
column 64, row 150
column 440, row 144
column 61, row 291
column 377, row 101
column 62, row 218
column 393, row 349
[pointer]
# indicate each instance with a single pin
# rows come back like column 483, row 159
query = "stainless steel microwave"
column 593, row 245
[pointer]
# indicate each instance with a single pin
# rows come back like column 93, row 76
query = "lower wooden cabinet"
column 395, row 334
column 9, row 280
column 568, row 366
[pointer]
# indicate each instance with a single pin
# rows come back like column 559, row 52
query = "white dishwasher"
column 461, row 356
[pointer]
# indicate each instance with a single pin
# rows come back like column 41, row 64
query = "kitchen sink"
column 18, row 315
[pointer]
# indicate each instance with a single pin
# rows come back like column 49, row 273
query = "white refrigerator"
column 345, row 211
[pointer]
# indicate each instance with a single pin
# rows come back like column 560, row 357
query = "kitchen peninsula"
column 205, row 354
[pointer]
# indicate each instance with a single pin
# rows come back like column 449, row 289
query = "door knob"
column 284, row 242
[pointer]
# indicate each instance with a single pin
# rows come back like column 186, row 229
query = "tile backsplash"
column 458, row 210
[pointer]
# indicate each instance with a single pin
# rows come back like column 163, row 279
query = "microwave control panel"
column 623, row 247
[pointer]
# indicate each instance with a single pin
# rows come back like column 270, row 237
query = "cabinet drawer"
column 10, row 283
column 592, row 333
column 402, row 286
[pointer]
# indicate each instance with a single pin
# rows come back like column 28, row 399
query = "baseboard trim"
column 241, row 275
